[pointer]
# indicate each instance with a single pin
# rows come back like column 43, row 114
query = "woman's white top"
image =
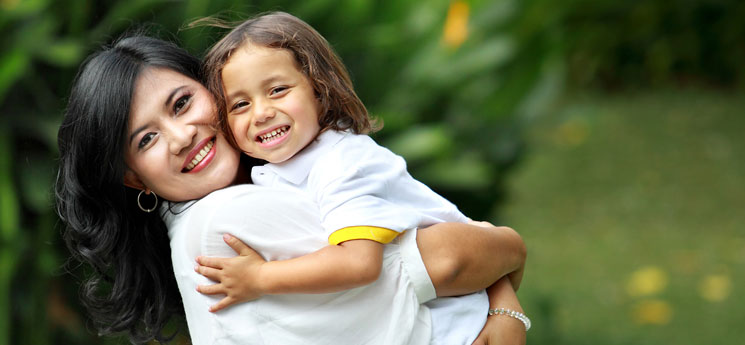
column 283, row 224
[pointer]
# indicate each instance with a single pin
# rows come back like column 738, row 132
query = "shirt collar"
column 297, row 168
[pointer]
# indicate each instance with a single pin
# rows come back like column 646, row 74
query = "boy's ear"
column 131, row 180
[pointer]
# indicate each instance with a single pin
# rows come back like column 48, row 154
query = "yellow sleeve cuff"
column 374, row 233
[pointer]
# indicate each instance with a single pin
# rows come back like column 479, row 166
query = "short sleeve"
column 354, row 185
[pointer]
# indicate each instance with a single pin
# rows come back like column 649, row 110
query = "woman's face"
column 173, row 147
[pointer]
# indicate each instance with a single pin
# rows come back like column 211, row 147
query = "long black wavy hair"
column 132, row 289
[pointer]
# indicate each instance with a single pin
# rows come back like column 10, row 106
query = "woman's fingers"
column 482, row 224
column 483, row 338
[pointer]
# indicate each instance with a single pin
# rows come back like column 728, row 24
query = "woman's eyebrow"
column 136, row 131
column 173, row 94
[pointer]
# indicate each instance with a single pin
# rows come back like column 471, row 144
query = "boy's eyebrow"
column 264, row 82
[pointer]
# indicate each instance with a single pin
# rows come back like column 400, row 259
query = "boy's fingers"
column 213, row 289
column 224, row 303
column 237, row 245
column 210, row 261
column 209, row 272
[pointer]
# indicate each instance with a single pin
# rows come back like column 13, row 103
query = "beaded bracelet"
column 511, row 313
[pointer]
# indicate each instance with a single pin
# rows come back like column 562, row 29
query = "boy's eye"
column 239, row 104
column 181, row 103
column 146, row 139
column 278, row 89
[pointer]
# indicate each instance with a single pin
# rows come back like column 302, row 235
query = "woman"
column 134, row 289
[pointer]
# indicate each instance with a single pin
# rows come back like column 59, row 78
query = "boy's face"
column 272, row 108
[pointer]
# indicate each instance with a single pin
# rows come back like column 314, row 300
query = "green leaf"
column 12, row 66
column 9, row 207
column 36, row 178
column 421, row 142
column 63, row 53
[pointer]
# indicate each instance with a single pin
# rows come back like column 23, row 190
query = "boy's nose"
column 263, row 112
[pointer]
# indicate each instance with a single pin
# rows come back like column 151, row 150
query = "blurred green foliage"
column 614, row 44
column 454, row 81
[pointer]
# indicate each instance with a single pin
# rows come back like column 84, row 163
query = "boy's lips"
column 200, row 156
column 272, row 136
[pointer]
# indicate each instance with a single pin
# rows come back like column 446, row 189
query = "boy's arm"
column 248, row 276
column 464, row 258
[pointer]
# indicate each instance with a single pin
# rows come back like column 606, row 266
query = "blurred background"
column 608, row 133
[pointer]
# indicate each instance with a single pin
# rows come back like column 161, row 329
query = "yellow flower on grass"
column 646, row 281
column 456, row 24
column 715, row 287
column 572, row 133
column 652, row 312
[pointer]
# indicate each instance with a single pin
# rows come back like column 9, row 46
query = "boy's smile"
column 271, row 104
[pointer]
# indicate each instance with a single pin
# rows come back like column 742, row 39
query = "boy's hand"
column 237, row 277
column 501, row 330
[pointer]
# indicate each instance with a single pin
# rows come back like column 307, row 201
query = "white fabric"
column 356, row 182
column 282, row 225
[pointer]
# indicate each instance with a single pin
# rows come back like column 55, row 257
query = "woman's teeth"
column 275, row 134
column 202, row 153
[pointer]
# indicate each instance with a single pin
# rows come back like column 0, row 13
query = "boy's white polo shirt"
column 358, row 183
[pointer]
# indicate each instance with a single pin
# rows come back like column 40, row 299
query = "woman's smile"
column 200, row 156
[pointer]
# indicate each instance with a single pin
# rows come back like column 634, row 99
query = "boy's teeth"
column 273, row 134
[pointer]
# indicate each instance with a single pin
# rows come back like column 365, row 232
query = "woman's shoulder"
column 242, row 200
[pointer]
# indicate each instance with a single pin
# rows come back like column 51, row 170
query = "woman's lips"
column 200, row 156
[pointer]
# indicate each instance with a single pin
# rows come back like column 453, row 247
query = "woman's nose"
column 180, row 136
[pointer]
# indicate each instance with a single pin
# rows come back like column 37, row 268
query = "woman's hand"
column 237, row 277
column 501, row 330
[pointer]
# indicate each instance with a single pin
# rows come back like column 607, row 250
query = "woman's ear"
column 131, row 180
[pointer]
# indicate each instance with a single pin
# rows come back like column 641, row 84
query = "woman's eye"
column 146, row 139
column 181, row 103
column 239, row 104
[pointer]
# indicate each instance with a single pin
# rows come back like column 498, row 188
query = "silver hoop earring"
column 148, row 210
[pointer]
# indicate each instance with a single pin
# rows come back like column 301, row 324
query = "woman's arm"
column 464, row 258
column 502, row 329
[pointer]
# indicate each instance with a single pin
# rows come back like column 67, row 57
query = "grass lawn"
column 633, row 210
